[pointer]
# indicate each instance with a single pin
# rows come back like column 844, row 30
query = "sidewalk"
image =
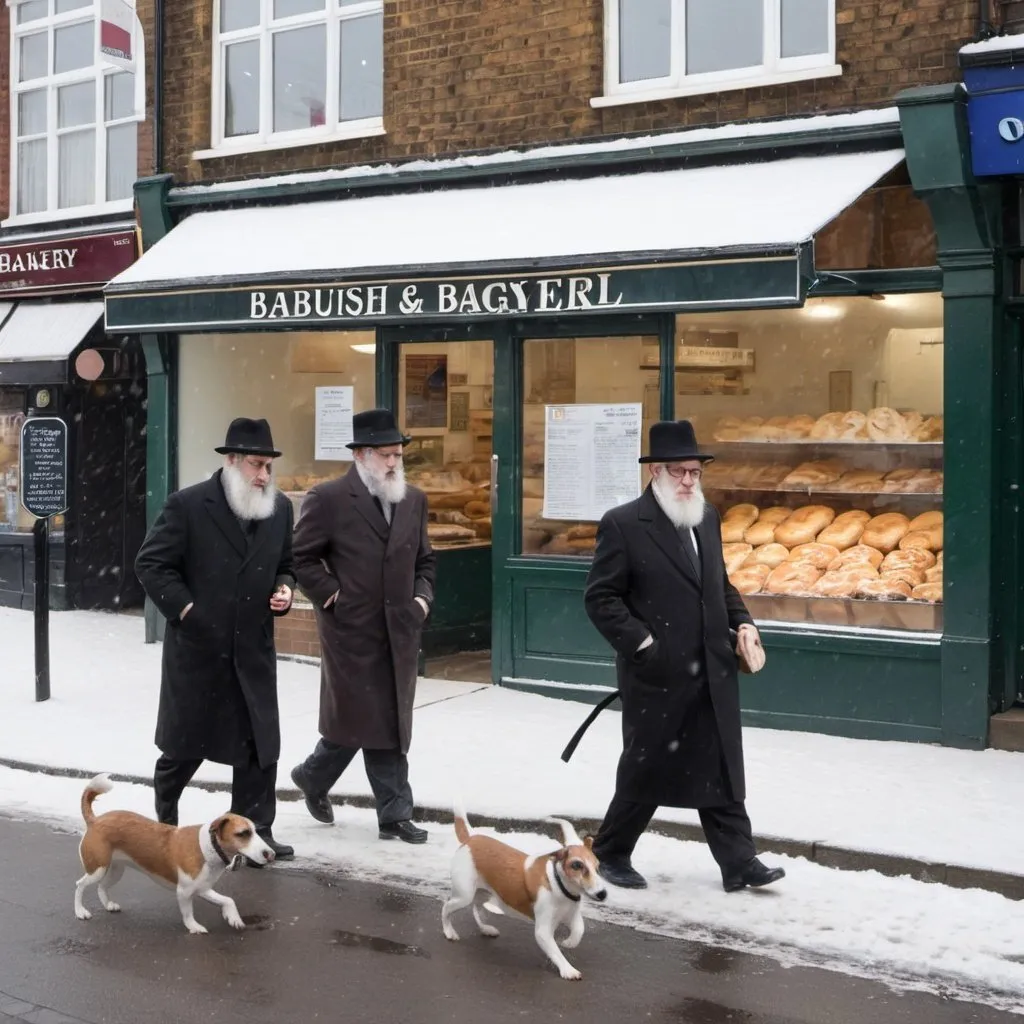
column 936, row 814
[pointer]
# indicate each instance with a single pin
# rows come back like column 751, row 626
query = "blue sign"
column 995, row 118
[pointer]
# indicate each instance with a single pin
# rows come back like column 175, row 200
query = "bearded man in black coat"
column 218, row 564
column 659, row 594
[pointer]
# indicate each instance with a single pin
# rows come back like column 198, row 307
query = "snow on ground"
column 501, row 748
column 963, row 944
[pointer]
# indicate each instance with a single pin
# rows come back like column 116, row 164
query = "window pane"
column 300, row 78
column 239, row 14
column 76, row 104
column 32, row 112
column 76, row 156
column 362, row 67
column 289, row 8
column 32, row 57
column 63, row 6
column 645, row 39
column 574, row 467
column 723, row 34
column 118, row 96
column 32, row 176
column 73, row 47
column 122, row 150
column 31, row 11
column 804, row 27
column 242, row 88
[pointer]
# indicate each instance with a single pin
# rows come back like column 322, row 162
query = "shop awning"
column 301, row 262
column 44, row 331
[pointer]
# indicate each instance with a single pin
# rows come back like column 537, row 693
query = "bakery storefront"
column 790, row 304
column 57, row 360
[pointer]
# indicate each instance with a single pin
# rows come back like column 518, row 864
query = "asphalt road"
column 327, row 948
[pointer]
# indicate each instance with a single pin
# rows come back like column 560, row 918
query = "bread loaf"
column 884, row 590
column 770, row 555
column 885, row 424
column 813, row 474
column 792, row 578
column 803, row 525
column 912, row 577
column 583, row 531
column 858, row 481
column 769, row 477
column 818, row 555
column 925, row 521
column 933, row 575
column 929, row 430
column 477, row 509
column 912, row 558
column 750, row 578
column 843, row 582
column 736, row 521
column 763, row 531
column 859, row 554
column 930, row 592
column 885, row 531
column 927, row 540
column 845, row 530
column 734, row 556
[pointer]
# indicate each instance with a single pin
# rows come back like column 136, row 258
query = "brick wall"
column 476, row 74
column 295, row 633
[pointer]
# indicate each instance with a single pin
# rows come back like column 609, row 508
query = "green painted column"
column 967, row 217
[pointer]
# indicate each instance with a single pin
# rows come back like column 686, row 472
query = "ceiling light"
column 367, row 350
column 824, row 310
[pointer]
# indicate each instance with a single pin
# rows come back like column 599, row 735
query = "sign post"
column 44, row 493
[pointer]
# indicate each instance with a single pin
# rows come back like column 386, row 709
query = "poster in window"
column 426, row 391
column 460, row 412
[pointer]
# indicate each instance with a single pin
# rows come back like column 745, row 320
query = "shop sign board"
column 44, row 466
column 766, row 280
column 50, row 266
column 995, row 118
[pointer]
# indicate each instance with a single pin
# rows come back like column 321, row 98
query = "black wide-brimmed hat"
column 248, row 437
column 674, row 441
column 375, row 428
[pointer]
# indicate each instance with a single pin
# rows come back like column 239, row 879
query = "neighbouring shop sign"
column 776, row 280
column 44, row 466
column 995, row 117
column 591, row 459
column 45, row 267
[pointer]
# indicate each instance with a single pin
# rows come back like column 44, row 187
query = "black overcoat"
column 370, row 636
column 218, row 690
column 682, row 743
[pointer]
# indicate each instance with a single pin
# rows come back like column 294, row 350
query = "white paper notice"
column 591, row 459
column 333, row 424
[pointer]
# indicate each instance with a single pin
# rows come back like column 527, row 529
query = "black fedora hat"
column 376, row 428
column 674, row 441
column 248, row 437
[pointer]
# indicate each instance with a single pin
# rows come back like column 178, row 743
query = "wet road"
column 328, row 948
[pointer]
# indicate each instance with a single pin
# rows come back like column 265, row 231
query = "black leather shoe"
column 404, row 830
column 621, row 873
column 753, row 873
column 281, row 850
column 318, row 804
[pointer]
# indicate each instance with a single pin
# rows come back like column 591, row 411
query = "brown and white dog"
column 546, row 890
column 191, row 859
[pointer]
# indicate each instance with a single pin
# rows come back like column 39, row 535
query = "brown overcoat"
column 370, row 636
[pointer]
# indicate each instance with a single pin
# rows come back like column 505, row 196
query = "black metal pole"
column 41, row 543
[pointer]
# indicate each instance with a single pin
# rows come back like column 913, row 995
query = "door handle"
column 494, row 483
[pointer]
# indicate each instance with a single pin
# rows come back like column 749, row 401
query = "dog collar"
column 218, row 848
column 561, row 885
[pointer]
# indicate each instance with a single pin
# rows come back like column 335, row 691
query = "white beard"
column 245, row 500
column 391, row 489
column 684, row 513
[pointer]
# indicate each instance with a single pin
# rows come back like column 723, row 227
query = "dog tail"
column 462, row 829
column 100, row 784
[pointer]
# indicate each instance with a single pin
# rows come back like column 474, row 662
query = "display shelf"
column 930, row 448
column 810, row 492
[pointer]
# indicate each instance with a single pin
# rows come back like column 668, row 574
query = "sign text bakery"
column 460, row 298
column 66, row 264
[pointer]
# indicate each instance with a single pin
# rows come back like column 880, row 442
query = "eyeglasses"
column 259, row 465
column 681, row 472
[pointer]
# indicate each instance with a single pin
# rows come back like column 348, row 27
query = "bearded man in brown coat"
column 363, row 558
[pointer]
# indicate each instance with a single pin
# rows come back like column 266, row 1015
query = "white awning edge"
column 702, row 209
column 46, row 330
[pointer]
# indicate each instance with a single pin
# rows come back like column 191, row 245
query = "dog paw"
column 451, row 934
column 489, row 931
column 569, row 942
column 195, row 928
column 112, row 907
column 82, row 914
column 570, row 973
column 234, row 919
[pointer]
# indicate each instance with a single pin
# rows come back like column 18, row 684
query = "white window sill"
column 703, row 88
column 71, row 213
column 225, row 150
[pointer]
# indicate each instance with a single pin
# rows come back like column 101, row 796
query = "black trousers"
column 386, row 770
column 726, row 828
column 253, row 789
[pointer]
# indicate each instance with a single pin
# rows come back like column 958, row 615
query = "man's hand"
column 281, row 599
column 748, row 647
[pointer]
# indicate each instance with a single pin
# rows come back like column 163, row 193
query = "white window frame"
column 266, row 138
column 773, row 70
column 97, row 72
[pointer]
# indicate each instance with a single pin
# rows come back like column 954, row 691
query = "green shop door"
column 441, row 385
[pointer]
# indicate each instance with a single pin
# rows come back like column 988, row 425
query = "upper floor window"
column 74, row 119
column 655, row 49
column 288, row 72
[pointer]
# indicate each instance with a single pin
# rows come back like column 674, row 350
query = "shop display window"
column 445, row 404
column 588, row 405
column 827, row 427
column 13, row 518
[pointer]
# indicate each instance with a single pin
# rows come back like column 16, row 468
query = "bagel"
column 792, row 578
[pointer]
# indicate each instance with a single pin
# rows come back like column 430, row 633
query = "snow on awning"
column 44, row 331
column 747, row 206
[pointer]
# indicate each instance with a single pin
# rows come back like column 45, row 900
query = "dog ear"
column 220, row 824
column 588, row 842
column 560, row 855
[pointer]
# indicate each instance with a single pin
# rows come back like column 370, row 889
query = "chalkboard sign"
column 44, row 466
